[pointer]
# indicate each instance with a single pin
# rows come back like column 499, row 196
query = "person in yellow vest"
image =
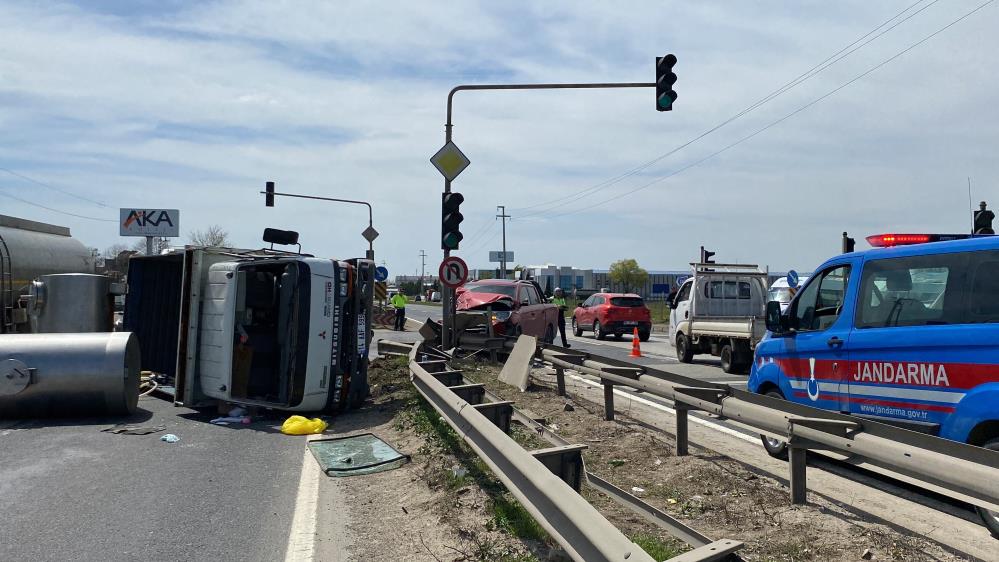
column 559, row 300
column 399, row 303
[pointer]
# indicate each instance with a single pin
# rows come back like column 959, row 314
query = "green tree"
column 628, row 274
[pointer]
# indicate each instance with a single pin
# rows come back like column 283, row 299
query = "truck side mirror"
column 671, row 300
column 776, row 323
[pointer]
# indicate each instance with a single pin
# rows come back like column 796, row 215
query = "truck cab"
column 272, row 329
column 719, row 310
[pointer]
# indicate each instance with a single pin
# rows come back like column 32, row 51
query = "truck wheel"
column 683, row 352
column 598, row 331
column 728, row 363
column 990, row 518
column 776, row 448
column 577, row 330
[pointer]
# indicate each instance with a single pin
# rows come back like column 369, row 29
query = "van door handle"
column 834, row 342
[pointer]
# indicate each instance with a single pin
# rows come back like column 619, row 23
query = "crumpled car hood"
column 470, row 301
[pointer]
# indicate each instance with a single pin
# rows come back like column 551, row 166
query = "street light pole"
column 371, row 249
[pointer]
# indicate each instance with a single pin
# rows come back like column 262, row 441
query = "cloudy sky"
column 194, row 105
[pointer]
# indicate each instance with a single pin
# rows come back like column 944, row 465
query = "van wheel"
column 990, row 518
column 683, row 352
column 728, row 363
column 776, row 448
column 598, row 331
column 577, row 330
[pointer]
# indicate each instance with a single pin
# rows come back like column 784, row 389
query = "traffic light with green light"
column 665, row 96
column 450, row 220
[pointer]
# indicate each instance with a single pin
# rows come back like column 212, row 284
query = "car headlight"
column 502, row 316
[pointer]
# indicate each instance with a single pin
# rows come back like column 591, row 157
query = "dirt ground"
column 718, row 496
column 427, row 509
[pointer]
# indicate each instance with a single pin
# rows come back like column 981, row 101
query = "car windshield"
column 505, row 290
column 631, row 302
column 779, row 294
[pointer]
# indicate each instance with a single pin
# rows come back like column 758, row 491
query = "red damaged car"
column 613, row 313
column 518, row 307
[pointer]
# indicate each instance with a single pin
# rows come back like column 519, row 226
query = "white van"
column 781, row 292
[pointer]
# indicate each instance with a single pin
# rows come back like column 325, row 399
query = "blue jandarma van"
column 907, row 335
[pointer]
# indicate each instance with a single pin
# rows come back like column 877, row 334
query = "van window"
column 727, row 290
column 984, row 298
column 913, row 291
column 820, row 302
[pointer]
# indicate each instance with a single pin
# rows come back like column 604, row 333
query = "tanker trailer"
column 28, row 250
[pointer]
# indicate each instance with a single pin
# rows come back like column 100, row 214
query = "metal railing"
column 539, row 480
column 961, row 471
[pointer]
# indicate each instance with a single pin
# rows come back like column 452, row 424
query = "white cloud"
column 197, row 105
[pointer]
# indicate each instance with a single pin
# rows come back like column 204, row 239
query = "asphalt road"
column 656, row 352
column 71, row 492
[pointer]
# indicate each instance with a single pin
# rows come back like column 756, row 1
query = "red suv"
column 518, row 307
column 612, row 313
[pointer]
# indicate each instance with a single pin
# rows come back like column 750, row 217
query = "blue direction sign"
column 792, row 279
column 381, row 273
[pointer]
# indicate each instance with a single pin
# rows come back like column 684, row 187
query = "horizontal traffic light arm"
column 317, row 198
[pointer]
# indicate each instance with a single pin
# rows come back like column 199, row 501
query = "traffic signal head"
column 451, row 220
column 269, row 195
column 983, row 220
column 665, row 96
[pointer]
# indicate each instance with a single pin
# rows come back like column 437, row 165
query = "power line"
column 52, row 187
column 801, row 78
column 39, row 205
column 782, row 119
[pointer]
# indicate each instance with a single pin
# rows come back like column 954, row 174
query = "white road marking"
column 695, row 419
column 302, row 539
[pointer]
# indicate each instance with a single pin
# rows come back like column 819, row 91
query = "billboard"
column 149, row 222
column 495, row 256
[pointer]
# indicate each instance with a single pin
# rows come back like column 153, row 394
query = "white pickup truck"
column 721, row 310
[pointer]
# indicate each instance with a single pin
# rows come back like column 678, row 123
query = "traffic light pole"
column 371, row 247
column 447, row 294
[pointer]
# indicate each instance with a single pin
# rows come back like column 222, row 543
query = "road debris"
column 126, row 429
column 170, row 438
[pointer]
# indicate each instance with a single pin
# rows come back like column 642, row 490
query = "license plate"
column 630, row 323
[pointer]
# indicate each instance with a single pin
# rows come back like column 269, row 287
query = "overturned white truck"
column 257, row 327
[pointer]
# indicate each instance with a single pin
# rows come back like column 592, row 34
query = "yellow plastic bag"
column 298, row 425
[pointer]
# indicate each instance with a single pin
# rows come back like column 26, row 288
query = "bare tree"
column 111, row 252
column 159, row 244
column 213, row 236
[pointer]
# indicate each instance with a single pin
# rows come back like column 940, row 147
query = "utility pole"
column 503, row 216
column 423, row 269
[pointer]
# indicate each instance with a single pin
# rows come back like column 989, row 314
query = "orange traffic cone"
column 636, row 349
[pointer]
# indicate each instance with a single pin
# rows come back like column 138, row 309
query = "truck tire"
column 683, row 352
column 775, row 447
column 990, row 518
column 577, row 330
column 598, row 331
column 728, row 362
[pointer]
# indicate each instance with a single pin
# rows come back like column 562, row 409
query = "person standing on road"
column 559, row 300
column 399, row 303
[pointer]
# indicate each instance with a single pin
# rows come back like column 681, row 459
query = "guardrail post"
column 560, row 378
column 681, row 429
column 798, row 457
column 608, row 401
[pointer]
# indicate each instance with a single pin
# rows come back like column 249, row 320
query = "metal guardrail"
column 965, row 472
column 575, row 524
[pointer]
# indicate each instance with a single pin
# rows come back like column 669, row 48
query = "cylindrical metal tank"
column 70, row 303
column 38, row 249
column 60, row 375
